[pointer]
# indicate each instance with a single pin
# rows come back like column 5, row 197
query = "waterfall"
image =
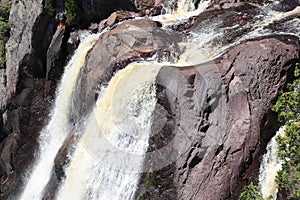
column 53, row 136
column 269, row 167
column 208, row 43
column 107, row 160
column 184, row 10
column 179, row 6
column 115, row 138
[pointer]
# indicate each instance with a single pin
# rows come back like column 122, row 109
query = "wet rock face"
column 128, row 42
column 100, row 9
column 281, row 6
column 218, row 120
column 25, row 97
column 19, row 45
column 213, row 127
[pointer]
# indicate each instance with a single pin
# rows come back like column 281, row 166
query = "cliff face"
column 220, row 120
column 212, row 120
column 26, row 97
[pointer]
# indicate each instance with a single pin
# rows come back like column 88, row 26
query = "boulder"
column 115, row 18
column 54, row 49
column 218, row 121
column 130, row 41
column 149, row 7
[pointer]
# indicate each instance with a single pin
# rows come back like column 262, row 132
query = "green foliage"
column 4, row 31
column 71, row 7
column 140, row 198
column 50, row 7
column 147, row 181
column 288, row 109
column 72, row 10
column 288, row 103
column 251, row 192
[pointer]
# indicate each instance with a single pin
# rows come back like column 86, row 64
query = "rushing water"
column 271, row 163
column 116, row 137
column 108, row 158
column 53, row 136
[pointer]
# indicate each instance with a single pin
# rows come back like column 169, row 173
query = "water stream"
column 115, row 139
column 54, row 134
column 270, row 164
column 108, row 159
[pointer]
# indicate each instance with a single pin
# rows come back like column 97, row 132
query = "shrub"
column 71, row 7
column 251, row 192
column 72, row 10
column 50, row 7
column 288, row 109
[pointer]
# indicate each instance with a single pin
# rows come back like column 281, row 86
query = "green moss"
column 4, row 31
column 288, row 109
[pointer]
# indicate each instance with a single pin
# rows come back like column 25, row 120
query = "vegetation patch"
column 72, row 9
column 251, row 192
column 288, row 109
column 50, row 7
column 4, row 31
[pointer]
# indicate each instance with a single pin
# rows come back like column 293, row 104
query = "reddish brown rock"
column 130, row 41
column 221, row 115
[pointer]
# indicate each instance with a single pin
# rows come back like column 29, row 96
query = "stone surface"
column 130, row 41
column 2, row 87
column 19, row 46
column 94, row 10
column 214, row 120
column 115, row 18
column 219, row 112
column 251, row 78
column 54, row 49
column 281, row 6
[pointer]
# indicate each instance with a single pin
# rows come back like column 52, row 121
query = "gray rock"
column 23, row 17
column 2, row 87
column 54, row 49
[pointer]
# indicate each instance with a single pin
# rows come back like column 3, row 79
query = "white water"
column 207, row 44
column 269, row 167
column 53, row 136
column 109, row 157
column 183, row 12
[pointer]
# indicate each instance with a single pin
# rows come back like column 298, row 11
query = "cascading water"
column 108, row 158
column 209, row 43
column 53, row 136
column 269, row 167
column 183, row 10
column 116, row 137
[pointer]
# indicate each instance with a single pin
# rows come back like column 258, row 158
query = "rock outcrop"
column 24, row 18
column 94, row 10
column 130, row 41
column 25, row 97
column 212, row 120
column 135, row 40
column 219, row 116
